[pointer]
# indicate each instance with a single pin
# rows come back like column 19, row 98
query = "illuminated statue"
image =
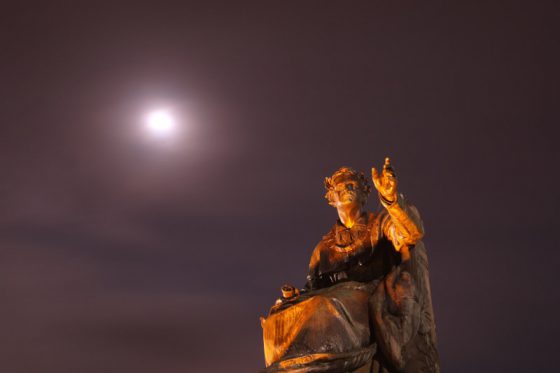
column 366, row 306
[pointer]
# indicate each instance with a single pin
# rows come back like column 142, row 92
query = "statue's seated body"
column 366, row 306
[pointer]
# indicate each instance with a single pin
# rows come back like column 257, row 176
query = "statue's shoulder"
column 376, row 220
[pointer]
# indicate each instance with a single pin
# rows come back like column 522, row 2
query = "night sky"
column 121, row 252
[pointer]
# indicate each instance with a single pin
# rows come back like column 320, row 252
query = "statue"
column 366, row 305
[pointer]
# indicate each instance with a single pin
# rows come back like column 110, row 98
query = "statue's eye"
column 350, row 186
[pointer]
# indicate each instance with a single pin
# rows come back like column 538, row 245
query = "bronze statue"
column 366, row 306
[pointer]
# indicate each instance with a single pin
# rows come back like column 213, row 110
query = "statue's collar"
column 350, row 239
column 359, row 225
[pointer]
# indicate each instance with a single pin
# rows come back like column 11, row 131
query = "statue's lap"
column 321, row 327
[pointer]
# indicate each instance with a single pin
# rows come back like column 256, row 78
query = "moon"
column 161, row 123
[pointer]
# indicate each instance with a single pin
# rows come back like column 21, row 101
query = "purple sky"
column 123, row 254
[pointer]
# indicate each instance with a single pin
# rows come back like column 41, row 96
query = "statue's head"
column 347, row 186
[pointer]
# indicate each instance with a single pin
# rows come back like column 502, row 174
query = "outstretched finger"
column 387, row 163
column 375, row 178
column 388, row 168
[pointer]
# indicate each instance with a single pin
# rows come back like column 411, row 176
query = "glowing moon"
column 161, row 123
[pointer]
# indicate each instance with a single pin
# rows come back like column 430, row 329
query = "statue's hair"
column 364, row 188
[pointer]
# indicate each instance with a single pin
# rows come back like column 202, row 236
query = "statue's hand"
column 386, row 183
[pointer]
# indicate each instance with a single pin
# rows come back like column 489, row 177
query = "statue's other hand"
column 386, row 183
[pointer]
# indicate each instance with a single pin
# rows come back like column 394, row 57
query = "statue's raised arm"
column 402, row 225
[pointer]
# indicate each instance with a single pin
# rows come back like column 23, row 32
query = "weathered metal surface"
column 368, row 304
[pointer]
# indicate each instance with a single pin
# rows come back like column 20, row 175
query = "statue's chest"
column 346, row 237
column 346, row 247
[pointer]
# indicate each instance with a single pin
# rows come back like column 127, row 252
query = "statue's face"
column 346, row 190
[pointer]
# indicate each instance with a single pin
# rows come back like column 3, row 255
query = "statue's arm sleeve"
column 401, row 224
